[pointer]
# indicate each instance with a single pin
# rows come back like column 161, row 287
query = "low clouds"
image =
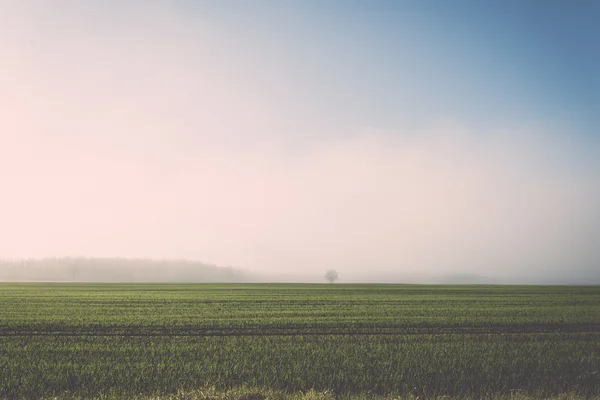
column 145, row 133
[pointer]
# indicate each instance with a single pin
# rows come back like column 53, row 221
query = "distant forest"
column 116, row 270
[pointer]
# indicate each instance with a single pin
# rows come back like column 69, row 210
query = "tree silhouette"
column 331, row 276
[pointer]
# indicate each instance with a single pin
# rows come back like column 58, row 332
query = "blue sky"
column 385, row 64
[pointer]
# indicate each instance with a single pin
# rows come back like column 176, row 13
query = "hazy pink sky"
column 139, row 129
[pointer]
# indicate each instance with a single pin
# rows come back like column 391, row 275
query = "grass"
column 355, row 341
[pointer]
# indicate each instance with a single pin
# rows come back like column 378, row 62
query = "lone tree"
column 331, row 276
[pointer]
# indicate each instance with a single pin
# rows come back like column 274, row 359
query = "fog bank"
column 163, row 137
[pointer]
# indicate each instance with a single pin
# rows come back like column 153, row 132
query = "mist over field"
column 285, row 140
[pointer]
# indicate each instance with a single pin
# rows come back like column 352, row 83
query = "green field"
column 91, row 340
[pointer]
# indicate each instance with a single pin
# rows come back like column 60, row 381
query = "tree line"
column 84, row 269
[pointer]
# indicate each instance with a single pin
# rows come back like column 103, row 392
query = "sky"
column 389, row 140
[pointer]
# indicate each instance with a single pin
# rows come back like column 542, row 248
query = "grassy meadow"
column 279, row 340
